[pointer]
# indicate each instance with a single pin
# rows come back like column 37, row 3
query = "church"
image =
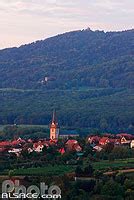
column 54, row 128
column 55, row 132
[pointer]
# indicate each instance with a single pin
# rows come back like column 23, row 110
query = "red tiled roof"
column 30, row 140
column 2, row 149
column 40, row 143
column 62, row 150
column 77, row 147
column 5, row 143
column 94, row 139
column 126, row 135
column 69, row 142
column 52, row 142
column 104, row 140
column 15, row 142
column 35, row 145
column 21, row 140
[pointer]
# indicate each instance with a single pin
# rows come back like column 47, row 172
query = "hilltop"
column 87, row 75
column 79, row 58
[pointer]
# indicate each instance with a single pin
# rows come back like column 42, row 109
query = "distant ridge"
column 81, row 54
column 90, row 71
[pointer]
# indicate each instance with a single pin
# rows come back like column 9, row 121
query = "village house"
column 73, row 145
column 97, row 148
column 117, row 141
column 17, row 152
column 14, row 146
column 104, row 140
column 30, row 150
column 132, row 144
column 93, row 139
column 38, row 146
column 124, row 141
column 126, row 135
column 125, row 138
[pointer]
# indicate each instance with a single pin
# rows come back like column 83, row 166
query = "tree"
column 78, row 171
column 111, row 188
column 88, row 171
column 108, row 148
column 129, row 184
column 120, row 178
column 88, row 150
column 120, row 152
column 97, row 174
column 87, row 186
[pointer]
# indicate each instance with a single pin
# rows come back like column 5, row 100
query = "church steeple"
column 54, row 116
column 54, row 129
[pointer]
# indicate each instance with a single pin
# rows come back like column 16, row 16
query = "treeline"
column 25, row 132
column 99, row 109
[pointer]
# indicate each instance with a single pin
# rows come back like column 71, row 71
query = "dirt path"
column 121, row 171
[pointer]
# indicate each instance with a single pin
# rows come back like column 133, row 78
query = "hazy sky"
column 24, row 21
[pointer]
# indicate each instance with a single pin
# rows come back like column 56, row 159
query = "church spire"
column 54, row 128
column 54, row 116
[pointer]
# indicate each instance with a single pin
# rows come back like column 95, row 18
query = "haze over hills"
column 89, row 79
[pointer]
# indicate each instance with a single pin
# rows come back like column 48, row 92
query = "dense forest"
column 86, row 75
column 80, row 58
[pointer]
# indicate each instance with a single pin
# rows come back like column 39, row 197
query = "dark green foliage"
column 78, row 171
column 25, row 132
column 87, row 186
column 75, row 108
column 88, row 171
column 112, row 188
column 90, row 81
column 80, row 58
column 120, row 178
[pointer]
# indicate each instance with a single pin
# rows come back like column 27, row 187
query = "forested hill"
column 79, row 58
column 86, row 75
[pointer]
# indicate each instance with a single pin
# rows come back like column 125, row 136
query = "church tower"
column 54, row 128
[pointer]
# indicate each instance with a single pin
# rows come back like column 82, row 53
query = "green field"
column 50, row 170
column 117, row 164
column 62, row 169
column 43, row 171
